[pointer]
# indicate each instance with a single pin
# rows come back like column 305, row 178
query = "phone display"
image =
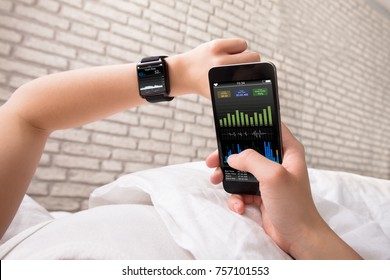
column 246, row 114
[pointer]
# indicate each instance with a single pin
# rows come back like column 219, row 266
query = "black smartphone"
column 246, row 115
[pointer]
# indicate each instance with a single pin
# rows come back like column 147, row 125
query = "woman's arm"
column 73, row 98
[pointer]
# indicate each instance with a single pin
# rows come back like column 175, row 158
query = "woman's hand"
column 191, row 69
column 288, row 212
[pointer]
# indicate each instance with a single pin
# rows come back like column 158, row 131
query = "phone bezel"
column 237, row 73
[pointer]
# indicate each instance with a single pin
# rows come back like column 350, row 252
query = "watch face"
column 151, row 78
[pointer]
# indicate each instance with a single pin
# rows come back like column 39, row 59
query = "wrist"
column 179, row 83
column 307, row 245
column 319, row 241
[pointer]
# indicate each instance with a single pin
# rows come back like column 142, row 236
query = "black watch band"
column 158, row 98
column 149, row 86
column 153, row 58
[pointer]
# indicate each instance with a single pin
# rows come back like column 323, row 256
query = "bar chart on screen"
column 237, row 148
column 241, row 119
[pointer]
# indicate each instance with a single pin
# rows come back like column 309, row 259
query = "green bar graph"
column 269, row 115
column 229, row 120
column 241, row 119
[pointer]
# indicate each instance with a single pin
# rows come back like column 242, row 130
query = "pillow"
column 29, row 214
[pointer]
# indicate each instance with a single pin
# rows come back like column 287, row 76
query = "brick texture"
column 333, row 61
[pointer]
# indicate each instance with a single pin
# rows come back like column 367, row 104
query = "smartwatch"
column 153, row 79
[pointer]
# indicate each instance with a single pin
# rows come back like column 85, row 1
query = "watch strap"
column 158, row 98
column 153, row 58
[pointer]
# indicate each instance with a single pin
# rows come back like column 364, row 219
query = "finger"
column 245, row 57
column 217, row 176
column 252, row 199
column 251, row 161
column 212, row 160
column 288, row 139
column 230, row 46
column 293, row 152
column 236, row 203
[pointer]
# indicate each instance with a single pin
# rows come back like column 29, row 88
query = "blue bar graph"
column 268, row 152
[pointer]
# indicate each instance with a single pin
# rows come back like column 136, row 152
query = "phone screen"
column 246, row 117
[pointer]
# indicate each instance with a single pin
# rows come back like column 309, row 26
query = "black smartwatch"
column 153, row 79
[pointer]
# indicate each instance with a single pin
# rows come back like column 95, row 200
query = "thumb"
column 255, row 163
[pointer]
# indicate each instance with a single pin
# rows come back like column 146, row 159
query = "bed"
column 174, row 212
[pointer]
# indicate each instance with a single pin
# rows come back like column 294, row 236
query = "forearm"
column 73, row 98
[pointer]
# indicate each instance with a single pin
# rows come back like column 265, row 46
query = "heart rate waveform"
column 152, row 87
column 241, row 119
column 264, row 133
column 268, row 152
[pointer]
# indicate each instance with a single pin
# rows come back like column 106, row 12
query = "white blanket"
column 195, row 212
column 159, row 208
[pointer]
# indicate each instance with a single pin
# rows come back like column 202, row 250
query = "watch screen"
column 246, row 118
column 151, row 79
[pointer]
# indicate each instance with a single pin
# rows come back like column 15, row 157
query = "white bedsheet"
column 178, row 205
column 195, row 212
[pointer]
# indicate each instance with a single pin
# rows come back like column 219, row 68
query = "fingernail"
column 236, row 207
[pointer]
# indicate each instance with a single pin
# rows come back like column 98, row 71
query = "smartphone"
column 246, row 115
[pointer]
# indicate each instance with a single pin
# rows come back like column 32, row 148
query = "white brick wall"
column 333, row 61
